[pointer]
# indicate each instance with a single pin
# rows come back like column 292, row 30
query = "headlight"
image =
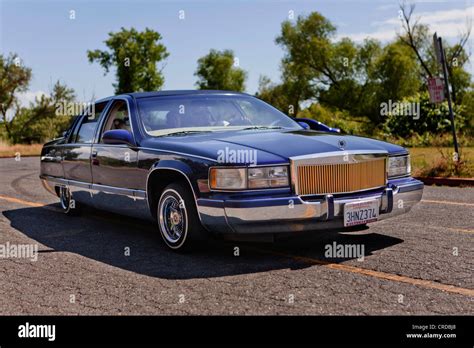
column 248, row 178
column 267, row 177
column 399, row 166
column 228, row 178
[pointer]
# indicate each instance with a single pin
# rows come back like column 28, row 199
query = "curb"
column 446, row 181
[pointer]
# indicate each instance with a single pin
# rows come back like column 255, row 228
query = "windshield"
column 187, row 114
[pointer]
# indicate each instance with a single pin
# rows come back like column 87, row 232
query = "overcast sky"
column 55, row 46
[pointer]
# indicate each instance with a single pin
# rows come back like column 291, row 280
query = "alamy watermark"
column 75, row 108
column 241, row 156
column 19, row 251
column 396, row 108
column 28, row 330
column 344, row 251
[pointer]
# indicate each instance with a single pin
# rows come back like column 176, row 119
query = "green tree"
column 433, row 118
column 468, row 107
column 419, row 39
column 303, row 69
column 343, row 75
column 307, row 43
column 217, row 70
column 14, row 79
column 396, row 73
column 286, row 96
column 135, row 56
column 41, row 121
column 338, row 74
column 459, row 78
column 354, row 71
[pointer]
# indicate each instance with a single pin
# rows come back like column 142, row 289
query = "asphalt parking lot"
column 100, row 263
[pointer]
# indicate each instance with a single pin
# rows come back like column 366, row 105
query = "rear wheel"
column 178, row 219
column 68, row 204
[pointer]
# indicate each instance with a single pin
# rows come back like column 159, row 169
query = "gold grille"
column 340, row 177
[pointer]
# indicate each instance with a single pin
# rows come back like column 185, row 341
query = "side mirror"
column 304, row 124
column 118, row 136
column 316, row 125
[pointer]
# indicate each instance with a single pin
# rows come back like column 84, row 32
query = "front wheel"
column 178, row 219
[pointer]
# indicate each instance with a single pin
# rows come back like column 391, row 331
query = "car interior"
column 118, row 117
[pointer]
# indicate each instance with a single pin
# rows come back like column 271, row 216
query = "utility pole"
column 440, row 54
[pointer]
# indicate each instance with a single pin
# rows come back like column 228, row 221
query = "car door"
column 77, row 154
column 115, row 174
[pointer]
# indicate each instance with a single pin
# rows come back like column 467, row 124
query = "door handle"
column 95, row 161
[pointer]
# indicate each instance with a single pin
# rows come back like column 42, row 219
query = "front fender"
column 190, row 171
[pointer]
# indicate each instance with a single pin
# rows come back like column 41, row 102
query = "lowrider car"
column 223, row 163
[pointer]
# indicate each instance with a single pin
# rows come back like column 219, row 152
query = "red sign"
column 436, row 89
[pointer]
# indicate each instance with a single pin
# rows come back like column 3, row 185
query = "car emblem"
column 342, row 144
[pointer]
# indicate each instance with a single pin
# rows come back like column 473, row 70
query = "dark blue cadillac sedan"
column 223, row 163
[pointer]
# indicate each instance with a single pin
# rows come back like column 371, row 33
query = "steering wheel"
column 239, row 120
column 274, row 123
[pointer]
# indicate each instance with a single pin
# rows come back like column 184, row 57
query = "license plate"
column 359, row 213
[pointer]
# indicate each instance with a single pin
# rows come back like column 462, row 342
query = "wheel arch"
column 161, row 175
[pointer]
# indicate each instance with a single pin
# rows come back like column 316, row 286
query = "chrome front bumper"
column 292, row 214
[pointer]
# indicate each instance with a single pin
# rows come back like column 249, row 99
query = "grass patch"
column 7, row 150
column 438, row 161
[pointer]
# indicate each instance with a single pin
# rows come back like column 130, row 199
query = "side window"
column 118, row 118
column 85, row 130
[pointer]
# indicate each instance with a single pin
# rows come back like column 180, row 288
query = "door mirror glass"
column 304, row 125
column 118, row 136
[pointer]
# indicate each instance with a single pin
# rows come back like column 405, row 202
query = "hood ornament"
column 342, row 144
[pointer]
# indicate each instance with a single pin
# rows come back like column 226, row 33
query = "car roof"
column 180, row 92
column 139, row 95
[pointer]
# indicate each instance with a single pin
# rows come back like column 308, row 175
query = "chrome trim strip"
column 78, row 183
column 55, row 159
column 114, row 145
column 53, row 179
column 257, row 190
column 399, row 176
column 343, row 193
column 140, row 194
column 114, row 190
column 145, row 148
column 338, row 154
column 98, row 187
column 179, row 153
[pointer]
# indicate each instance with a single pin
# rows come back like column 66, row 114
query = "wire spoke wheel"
column 178, row 220
column 172, row 217
column 65, row 198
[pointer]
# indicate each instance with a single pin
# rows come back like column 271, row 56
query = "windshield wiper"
column 261, row 127
column 185, row 132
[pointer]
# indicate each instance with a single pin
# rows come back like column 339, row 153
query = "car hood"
column 271, row 146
